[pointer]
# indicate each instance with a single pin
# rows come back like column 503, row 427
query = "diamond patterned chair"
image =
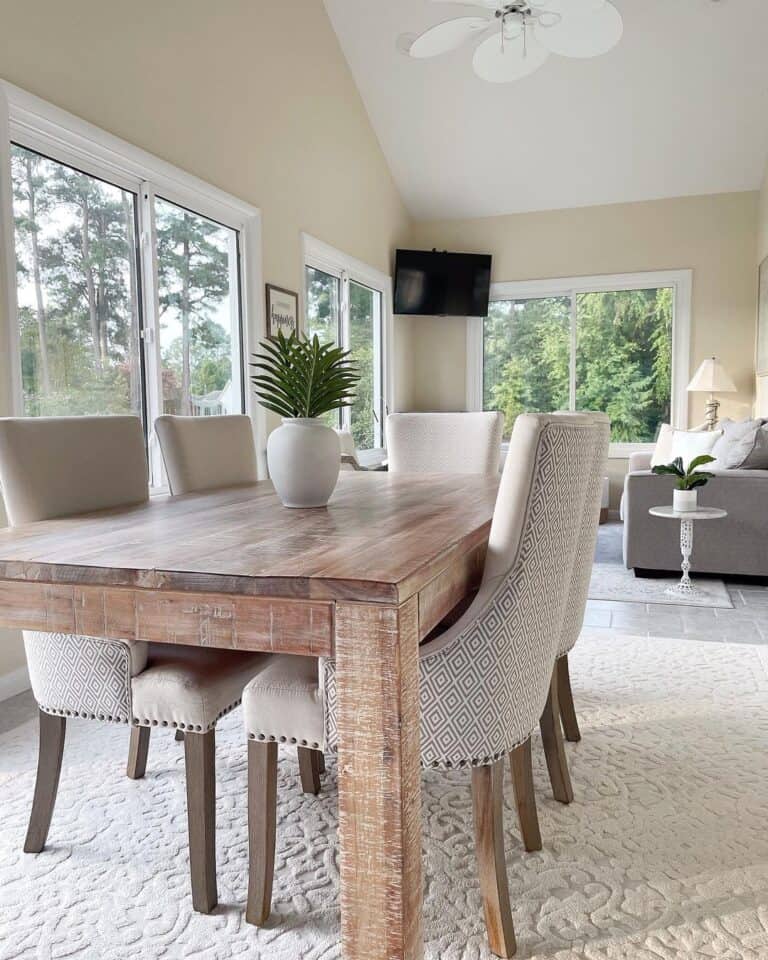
column 58, row 467
column 483, row 682
column 206, row 453
column 560, row 707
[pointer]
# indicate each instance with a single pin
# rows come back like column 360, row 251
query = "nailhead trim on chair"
column 262, row 737
column 190, row 727
column 55, row 712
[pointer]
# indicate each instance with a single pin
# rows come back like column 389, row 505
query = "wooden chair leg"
column 525, row 795
column 200, row 762
column 262, row 826
column 309, row 769
column 137, row 752
column 487, row 807
column 554, row 747
column 321, row 761
column 50, row 752
column 179, row 736
column 565, row 696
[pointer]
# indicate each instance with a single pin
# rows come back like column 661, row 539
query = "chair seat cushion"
column 191, row 687
column 284, row 702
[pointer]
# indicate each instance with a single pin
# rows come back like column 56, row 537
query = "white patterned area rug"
column 662, row 856
column 610, row 581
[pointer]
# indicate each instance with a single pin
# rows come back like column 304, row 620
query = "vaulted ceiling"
column 679, row 107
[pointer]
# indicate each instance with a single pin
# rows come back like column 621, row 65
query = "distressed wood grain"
column 379, row 781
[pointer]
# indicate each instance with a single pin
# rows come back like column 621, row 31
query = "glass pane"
column 323, row 317
column 364, row 343
column 624, row 359
column 199, row 313
column 526, row 351
column 77, row 290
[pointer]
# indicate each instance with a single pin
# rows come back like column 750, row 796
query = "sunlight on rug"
column 662, row 856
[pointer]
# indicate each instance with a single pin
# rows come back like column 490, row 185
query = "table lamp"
column 712, row 378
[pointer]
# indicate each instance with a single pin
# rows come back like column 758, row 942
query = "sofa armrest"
column 639, row 461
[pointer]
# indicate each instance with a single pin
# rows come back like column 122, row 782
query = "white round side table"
column 685, row 590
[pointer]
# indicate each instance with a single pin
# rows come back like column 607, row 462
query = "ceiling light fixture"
column 524, row 34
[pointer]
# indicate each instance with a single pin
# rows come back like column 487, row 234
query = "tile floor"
column 746, row 623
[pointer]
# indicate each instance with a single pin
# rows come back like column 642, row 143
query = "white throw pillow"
column 689, row 445
column 662, row 454
column 743, row 444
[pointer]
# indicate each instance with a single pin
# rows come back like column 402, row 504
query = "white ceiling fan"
column 524, row 33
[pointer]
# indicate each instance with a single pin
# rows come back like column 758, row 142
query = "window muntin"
column 199, row 313
column 77, row 290
column 605, row 350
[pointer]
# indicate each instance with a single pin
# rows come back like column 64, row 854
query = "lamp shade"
column 712, row 377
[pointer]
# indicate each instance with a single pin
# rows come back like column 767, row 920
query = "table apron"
column 303, row 627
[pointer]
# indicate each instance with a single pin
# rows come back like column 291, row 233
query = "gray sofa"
column 735, row 546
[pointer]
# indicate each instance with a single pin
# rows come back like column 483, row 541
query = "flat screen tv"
column 432, row 284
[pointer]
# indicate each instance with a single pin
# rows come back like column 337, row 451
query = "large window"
column 619, row 345
column 131, row 287
column 347, row 303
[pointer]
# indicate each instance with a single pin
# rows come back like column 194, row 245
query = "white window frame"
column 38, row 125
column 681, row 281
column 322, row 256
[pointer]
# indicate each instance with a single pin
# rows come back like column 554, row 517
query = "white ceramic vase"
column 685, row 501
column 304, row 458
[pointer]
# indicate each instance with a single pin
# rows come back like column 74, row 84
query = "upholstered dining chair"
column 483, row 682
column 57, row 467
column 560, row 706
column 444, row 442
column 206, row 453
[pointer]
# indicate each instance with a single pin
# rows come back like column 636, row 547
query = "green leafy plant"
column 298, row 377
column 692, row 477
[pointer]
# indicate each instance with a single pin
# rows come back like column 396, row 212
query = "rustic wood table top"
column 380, row 539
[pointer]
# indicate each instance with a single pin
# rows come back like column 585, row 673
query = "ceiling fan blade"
column 447, row 36
column 499, row 62
column 579, row 8
column 589, row 34
column 485, row 4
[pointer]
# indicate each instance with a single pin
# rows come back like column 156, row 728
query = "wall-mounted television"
column 433, row 284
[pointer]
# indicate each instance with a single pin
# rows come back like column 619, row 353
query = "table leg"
column 379, row 781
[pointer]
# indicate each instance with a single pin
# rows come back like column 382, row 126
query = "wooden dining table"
column 364, row 580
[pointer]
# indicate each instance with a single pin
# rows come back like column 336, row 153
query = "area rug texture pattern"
column 612, row 582
column 662, row 856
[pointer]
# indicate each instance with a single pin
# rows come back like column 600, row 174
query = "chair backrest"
column 205, row 453
column 573, row 619
column 59, row 466
column 494, row 666
column 444, row 442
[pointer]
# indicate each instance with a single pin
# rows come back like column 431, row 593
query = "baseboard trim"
column 13, row 683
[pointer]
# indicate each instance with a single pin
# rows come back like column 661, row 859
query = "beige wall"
column 762, row 226
column 713, row 235
column 253, row 96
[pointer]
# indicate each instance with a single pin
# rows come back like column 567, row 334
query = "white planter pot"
column 304, row 457
column 685, row 501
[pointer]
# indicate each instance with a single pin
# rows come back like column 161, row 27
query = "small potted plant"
column 685, row 496
column 302, row 379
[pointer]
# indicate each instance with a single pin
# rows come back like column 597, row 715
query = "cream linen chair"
column 444, row 442
column 204, row 453
column 483, row 683
column 58, row 467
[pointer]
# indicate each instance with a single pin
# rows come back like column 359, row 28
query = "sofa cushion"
column 743, row 444
column 688, row 445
